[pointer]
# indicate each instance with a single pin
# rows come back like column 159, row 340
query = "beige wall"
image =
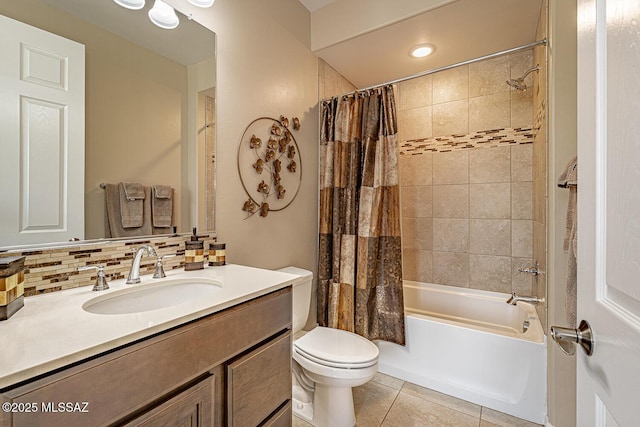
column 264, row 68
column 562, row 147
column 467, row 209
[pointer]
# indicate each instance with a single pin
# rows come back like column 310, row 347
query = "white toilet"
column 327, row 363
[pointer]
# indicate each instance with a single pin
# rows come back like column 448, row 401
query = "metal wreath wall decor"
column 269, row 164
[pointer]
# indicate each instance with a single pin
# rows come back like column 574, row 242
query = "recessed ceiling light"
column 421, row 50
column 131, row 4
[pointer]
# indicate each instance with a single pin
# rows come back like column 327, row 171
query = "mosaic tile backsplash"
column 55, row 269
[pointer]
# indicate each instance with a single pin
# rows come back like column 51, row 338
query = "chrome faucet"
column 531, row 300
column 134, row 273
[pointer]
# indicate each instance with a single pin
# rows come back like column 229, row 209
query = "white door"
column 608, row 382
column 41, row 136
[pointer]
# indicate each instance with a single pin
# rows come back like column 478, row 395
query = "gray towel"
column 162, row 206
column 132, row 204
column 569, row 179
column 113, row 218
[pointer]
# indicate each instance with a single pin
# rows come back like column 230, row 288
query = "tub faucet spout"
column 514, row 298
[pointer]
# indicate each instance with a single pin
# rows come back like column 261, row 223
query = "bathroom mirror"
column 149, row 104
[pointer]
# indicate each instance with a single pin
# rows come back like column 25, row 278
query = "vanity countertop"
column 53, row 330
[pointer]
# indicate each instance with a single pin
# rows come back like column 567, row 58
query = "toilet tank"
column 301, row 296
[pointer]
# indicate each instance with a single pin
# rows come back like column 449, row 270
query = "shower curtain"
column 360, row 264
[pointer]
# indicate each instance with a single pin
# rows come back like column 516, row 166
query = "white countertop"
column 53, row 330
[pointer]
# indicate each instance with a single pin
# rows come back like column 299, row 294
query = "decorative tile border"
column 55, row 269
column 480, row 139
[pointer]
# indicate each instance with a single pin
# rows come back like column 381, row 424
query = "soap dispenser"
column 194, row 253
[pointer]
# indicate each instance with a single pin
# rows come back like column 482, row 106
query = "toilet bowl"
column 327, row 363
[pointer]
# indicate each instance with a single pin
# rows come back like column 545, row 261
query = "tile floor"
column 390, row 402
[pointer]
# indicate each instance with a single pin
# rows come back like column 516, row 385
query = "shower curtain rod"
column 446, row 67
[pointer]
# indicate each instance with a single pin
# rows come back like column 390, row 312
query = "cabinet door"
column 259, row 382
column 191, row 408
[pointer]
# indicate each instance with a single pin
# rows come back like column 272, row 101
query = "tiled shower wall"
column 466, row 176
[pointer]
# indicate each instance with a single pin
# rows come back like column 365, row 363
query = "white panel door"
column 608, row 382
column 41, row 136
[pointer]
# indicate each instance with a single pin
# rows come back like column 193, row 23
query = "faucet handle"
column 101, row 280
column 159, row 273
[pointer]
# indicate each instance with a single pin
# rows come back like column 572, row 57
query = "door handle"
column 567, row 338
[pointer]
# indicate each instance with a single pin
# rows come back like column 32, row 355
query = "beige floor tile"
column 297, row 422
column 442, row 399
column 372, row 402
column 492, row 418
column 409, row 410
column 388, row 380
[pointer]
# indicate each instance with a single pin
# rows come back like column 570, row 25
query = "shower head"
column 519, row 83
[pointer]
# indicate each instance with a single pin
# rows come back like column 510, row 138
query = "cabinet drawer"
column 282, row 418
column 191, row 408
column 259, row 383
column 125, row 381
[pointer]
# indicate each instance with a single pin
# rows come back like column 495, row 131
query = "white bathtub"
column 471, row 344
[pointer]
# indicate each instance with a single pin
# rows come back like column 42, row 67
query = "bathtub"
column 470, row 344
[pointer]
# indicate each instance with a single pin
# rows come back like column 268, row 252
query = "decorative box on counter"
column 217, row 254
column 11, row 286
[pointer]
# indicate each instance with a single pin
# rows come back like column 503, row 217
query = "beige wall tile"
column 522, row 162
column 416, row 202
column 451, row 167
column 489, row 76
column 520, row 62
column 521, row 108
column 490, row 165
column 451, row 268
column 490, row 237
column 451, row 118
column 451, row 85
column 492, row 273
column 416, row 169
column 522, row 200
column 450, row 235
column 450, row 201
column 417, row 265
column 521, row 238
column 539, row 197
column 415, row 93
column 521, row 283
column 490, row 200
column 489, row 112
column 417, row 233
column 415, row 124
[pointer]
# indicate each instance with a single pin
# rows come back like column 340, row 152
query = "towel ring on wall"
column 270, row 168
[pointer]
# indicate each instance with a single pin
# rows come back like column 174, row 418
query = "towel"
column 162, row 206
column 113, row 217
column 569, row 179
column 131, row 204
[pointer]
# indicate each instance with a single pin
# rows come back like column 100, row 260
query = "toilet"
column 327, row 363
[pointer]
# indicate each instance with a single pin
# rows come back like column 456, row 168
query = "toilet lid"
column 334, row 347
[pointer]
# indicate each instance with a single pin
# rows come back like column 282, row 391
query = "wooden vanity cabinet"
column 229, row 368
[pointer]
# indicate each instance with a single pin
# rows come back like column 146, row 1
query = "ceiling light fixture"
column 131, row 4
column 422, row 50
column 163, row 15
column 202, row 3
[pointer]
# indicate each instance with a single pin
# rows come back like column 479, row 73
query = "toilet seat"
column 336, row 348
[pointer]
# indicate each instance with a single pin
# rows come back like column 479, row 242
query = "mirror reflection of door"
column 42, row 86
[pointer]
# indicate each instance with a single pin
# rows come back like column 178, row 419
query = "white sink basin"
column 153, row 296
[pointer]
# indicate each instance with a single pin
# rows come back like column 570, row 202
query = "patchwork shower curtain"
column 360, row 265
